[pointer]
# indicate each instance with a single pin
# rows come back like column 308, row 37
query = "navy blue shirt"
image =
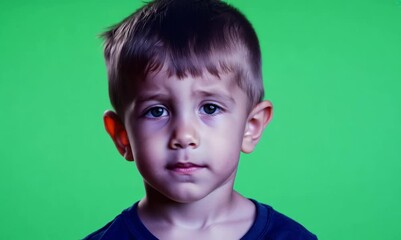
column 269, row 224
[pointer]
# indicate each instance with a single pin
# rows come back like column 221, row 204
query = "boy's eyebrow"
column 160, row 96
column 146, row 97
column 215, row 94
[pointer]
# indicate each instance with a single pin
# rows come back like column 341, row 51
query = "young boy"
column 185, row 82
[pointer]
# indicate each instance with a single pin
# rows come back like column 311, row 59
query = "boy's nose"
column 184, row 135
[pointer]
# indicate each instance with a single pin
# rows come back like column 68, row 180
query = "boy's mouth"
column 185, row 168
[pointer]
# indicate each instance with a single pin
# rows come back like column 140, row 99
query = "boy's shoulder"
column 269, row 224
column 125, row 226
column 273, row 225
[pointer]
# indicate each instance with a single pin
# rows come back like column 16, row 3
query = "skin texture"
column 186, row 136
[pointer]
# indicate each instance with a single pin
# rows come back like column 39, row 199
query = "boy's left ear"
column 257, row 120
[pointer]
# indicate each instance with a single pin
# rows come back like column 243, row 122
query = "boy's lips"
column 185, row 167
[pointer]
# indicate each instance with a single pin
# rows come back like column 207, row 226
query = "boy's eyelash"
column 214, row 110
column 154, row 112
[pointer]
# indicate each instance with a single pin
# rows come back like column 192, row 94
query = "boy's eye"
column 156, row 112
column 210, row 109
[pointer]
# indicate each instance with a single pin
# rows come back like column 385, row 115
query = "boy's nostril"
column 184, row 143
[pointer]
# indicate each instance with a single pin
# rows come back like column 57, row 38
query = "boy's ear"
column 258, row 119
column 115, row 128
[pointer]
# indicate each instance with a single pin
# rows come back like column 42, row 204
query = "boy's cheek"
column 149, row 150
column 149, row 139
column 223, row 140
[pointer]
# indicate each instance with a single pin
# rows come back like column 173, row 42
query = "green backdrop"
column 330, row 158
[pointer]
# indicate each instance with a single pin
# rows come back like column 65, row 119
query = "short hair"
column 186, row 37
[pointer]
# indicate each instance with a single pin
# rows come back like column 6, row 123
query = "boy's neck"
column 219, row 206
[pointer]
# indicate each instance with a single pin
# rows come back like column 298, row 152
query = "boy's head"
column 187, row 38
column 185, row 81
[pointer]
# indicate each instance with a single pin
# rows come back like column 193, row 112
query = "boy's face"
column 186, row 134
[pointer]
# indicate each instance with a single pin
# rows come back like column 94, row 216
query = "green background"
column 330, row 158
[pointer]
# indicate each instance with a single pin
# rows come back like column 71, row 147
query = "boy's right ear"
column 115, row 128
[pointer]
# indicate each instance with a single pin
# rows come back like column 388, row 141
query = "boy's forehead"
column 205, row 79
column 218, row 65
column 161, row 85
column 220, row 73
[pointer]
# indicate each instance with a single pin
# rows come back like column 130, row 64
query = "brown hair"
column 185, row 37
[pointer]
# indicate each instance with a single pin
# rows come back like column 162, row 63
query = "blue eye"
column 210, row 109
column 156, row 112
